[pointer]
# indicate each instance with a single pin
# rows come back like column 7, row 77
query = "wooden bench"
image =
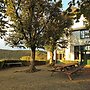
column 70, row 72
column 14, row 63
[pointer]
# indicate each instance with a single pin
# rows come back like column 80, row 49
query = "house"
column 78, row 48
column 79, row 43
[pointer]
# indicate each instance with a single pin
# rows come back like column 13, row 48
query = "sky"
column 3, row 46
column 65, row 3
column 2, row 42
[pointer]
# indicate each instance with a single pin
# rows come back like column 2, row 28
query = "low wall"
column 24, row 62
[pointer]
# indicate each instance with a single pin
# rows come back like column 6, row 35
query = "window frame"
column 82, row 34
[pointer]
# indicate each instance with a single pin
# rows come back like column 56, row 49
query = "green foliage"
column 2, row 19
column 31, row 19
column 83, row 7
column 48, row 47
column 56, row 29
column 28, row 18
column 27, row 58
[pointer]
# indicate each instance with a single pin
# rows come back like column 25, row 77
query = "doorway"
column 82, row 53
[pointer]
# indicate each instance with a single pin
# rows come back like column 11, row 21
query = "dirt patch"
column 41, row 80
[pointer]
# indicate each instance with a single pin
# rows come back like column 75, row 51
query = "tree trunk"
column 51, row 58
column 32, row 67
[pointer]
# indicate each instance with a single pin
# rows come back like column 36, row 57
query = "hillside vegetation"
column 17, row 54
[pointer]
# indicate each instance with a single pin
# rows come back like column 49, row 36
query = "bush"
column 25, row 58
column 47, row 61
column 69, row 61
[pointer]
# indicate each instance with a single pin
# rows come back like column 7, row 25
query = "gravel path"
column 41, row 80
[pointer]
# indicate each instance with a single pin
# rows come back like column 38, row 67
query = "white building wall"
column 48, row 55
column 75, row 40
column 67, row 53
column 55, row 55
column 72, row 52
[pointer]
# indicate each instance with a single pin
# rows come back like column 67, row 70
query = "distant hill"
column 17, row 54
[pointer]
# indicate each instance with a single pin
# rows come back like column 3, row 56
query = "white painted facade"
column 49, row 54
column 75, row 40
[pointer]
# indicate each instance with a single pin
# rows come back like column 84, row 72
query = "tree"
column 55, row 30
column 29, row 20
column 83, row 7
column 2, row 19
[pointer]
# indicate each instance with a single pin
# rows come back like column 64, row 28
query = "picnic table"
column 64, row 66
column 68, row 69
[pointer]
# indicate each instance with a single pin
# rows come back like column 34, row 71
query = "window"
column 84, row 34
column 87, row 48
